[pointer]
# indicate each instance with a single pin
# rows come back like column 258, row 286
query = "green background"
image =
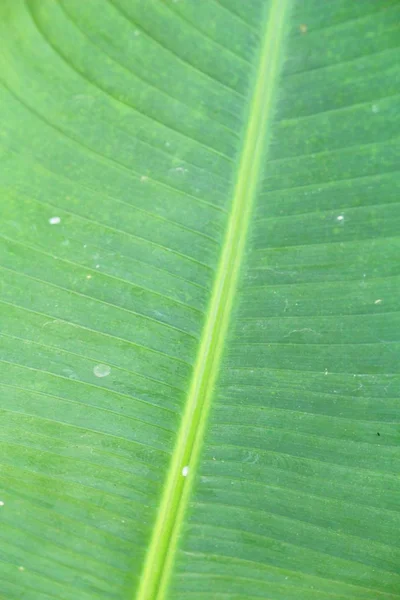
column 125, row 120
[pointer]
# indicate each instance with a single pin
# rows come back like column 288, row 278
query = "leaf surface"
column 199, row 255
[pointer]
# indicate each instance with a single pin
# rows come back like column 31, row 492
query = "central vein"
column 160, row 557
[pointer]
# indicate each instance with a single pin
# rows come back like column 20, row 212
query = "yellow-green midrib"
column 160, row 557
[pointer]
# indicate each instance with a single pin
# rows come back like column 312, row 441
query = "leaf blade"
column 121, row 139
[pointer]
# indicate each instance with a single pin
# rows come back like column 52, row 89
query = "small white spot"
column 88, row 277
column 85, row 245
column 1, row 503
column 144, row 178
column 326, row 372
column 21, row 568
column 97, row 266
column 375, row 108
column 180, row 170
column 185, row 471
column 379, row 301
column 136, row 33
column 54, row 220
column 101, row 370
column 340, row 218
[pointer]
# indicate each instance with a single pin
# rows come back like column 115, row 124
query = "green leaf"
column 200, row 317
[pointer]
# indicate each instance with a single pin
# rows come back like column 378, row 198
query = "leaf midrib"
column 160, row 556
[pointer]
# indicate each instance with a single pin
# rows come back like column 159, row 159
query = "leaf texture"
column 199, row 300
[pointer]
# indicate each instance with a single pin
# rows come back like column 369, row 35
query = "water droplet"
column 101, row 370
column 185, row 471
column 54, row 220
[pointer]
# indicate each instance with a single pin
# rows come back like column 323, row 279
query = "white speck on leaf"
column 97, row 266
column 180, row 170
column 144, row 178
column 340, row 218
column 101, row 370
column 379, row 301
column 54, row 220
column 375, row 108
column 185, row 471
column 136, row 33
column 21, row 568
column 1, row 503
column 88, row 277
column 304, row 330
column 51, row 322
